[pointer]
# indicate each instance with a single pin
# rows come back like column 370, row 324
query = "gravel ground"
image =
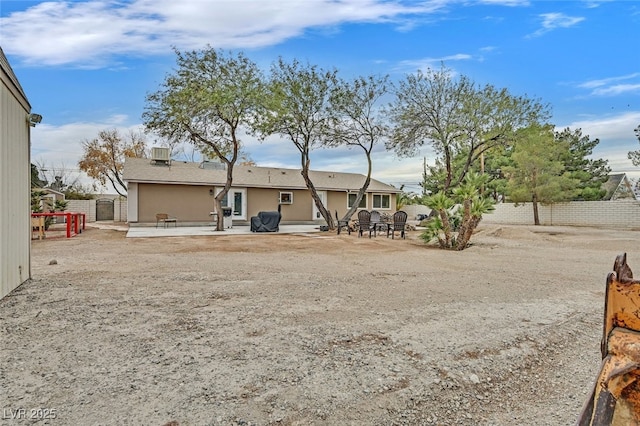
column 308, row 329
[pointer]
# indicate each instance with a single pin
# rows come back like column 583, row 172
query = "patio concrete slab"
column 185, row 231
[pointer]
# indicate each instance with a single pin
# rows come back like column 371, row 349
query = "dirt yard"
column 314, row 329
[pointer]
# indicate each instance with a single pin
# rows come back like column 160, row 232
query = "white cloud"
column 506, row 2
column 488, row 49
column 617, row 127
column 89, row 33
column 608, row 86
column 429, row 63
column 552, row 21
column 617, row 89
column 591, row 4
column 60, row 147
column 592, row 84
column 616, row 139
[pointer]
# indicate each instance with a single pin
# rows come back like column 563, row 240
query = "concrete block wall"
column 120, row 210
column 611, row 214
column 605, row 214
column 88, row 207
column 414, row 210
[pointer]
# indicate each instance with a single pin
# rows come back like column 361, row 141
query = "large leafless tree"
column 103, row 157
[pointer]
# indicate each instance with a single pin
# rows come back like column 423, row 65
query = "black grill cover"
column 266, row 222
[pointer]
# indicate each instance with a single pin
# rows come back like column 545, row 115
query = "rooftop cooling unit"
column 160, row 155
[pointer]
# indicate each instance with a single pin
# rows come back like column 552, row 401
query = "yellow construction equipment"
column 615, row 398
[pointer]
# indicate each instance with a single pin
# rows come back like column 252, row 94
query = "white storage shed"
column 15, row 180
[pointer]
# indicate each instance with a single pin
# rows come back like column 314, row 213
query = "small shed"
column 15, row 180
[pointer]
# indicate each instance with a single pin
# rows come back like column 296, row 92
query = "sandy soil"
column 308, row 329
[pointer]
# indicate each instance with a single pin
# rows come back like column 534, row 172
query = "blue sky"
column 87, row 66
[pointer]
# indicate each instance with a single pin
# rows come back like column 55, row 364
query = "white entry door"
column 236, row 198
column 316, row 213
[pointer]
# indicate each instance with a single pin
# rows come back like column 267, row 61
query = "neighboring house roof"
column 142, row 170
column 48, row 191
column 618, row 186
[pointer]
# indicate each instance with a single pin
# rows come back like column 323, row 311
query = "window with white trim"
column 351, row 197
column 286, row 198
column 381, row 201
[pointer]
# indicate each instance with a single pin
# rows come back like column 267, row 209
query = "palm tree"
column 441, row 203
column 473, row 205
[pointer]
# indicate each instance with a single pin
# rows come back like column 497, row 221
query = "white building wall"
column 132, row 202
column 15, row 182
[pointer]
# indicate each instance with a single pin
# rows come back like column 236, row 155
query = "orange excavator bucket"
column 615, row 398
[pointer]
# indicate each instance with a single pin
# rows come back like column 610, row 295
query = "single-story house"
column 186, row 190
column 618, row 187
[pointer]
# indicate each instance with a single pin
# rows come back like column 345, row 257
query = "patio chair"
column 376, row 221
column 342, row 224
column 364, row 222
column 165, row 218
column 398, row 224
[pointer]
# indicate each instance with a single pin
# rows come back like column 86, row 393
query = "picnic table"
column 75, row 222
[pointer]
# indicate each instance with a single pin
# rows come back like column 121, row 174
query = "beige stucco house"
column 186, row 190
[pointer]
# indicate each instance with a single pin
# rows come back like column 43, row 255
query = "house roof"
column 142, row 170
column 617, row 186
column 47, row 191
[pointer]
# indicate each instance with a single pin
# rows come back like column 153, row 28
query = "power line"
column 61, row 169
